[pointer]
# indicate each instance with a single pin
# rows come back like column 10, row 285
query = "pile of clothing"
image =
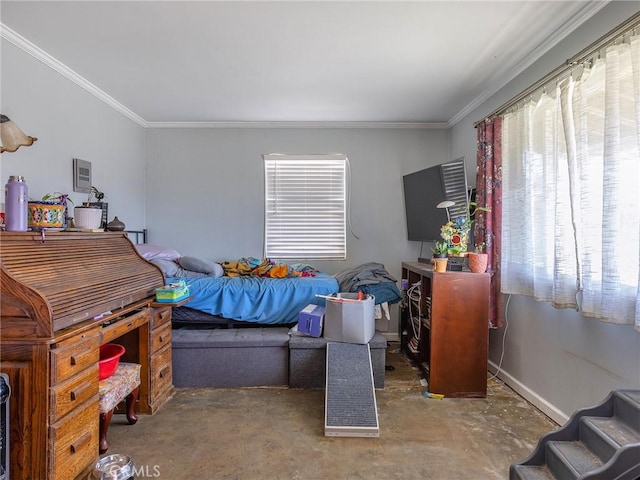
column 265, row 267
column 373, row 279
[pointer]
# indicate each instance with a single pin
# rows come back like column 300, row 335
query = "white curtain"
column 571, row 184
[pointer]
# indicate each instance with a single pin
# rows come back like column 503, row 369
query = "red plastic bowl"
column 110, row 354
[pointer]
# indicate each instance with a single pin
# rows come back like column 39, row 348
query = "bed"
column 251, row 299
column 247, row 292
column 236, row 331
column 261, row 292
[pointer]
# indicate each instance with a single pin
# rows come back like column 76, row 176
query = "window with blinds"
column 305, row 206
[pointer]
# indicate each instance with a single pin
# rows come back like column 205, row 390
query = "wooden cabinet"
column 445, row 328
column 62, row 295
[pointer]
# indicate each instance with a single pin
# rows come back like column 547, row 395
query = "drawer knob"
column 75, row 394
column 164, row 372
column 72, row 360
column 82, row 441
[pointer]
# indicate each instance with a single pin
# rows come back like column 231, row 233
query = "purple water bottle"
column 15, row 201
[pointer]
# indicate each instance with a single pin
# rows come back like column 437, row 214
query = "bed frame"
column 185, row 317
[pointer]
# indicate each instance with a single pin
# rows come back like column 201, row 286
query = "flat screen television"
column 425, row 189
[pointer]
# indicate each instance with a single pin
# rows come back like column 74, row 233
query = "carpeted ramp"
column 350, row 401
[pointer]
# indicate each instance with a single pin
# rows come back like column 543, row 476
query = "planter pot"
column 478, row 262
column 440, row 264
column 46, row 215
column 87, row 217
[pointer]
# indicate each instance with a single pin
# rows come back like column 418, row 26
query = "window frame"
column 313, row 229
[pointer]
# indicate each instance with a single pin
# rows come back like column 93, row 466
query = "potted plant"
column 478, row 260
column 440, row 249
column 89, row 215
column 49, row 212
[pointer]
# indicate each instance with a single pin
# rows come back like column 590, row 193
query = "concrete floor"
column 278, row 433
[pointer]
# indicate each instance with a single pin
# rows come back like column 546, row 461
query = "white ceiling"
column 424, row 62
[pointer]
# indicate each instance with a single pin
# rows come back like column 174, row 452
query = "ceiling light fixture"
column 12, row 137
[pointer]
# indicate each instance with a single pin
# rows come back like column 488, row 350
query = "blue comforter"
column 258, row 299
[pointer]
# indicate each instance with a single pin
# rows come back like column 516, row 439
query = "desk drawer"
column 124, row 325
column 161, row 371
column 72, row 359
column 160, row 316
column 74, row 442
column 160, row 337
column 75, row 391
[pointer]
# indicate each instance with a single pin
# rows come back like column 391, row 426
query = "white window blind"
column 305, row 206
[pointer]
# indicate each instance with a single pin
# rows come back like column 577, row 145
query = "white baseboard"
column 530, row 396
column 391, row 336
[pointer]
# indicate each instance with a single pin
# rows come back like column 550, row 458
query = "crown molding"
column 588, row 11
column 36, row 52
column 294, row 124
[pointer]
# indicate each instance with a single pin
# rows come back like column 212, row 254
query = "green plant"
column 440, row 248
column 95, row 193
column 480, row 247
column 57, row 197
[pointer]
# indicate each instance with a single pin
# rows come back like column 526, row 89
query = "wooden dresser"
column 62, row 295
column 445, row 328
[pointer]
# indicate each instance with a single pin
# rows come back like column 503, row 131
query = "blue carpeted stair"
column 597, row 443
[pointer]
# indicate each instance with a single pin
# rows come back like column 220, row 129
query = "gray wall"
column 558, row 359
column 207, row 187
column 70, row 123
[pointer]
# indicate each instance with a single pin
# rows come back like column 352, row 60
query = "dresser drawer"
column 71, row 359
column 74, row 442
column 67, row 395
column 161, row 371
column 160, row 337
column 160, row 316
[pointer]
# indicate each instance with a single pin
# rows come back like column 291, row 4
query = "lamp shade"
column 12, row 137
column 445, row 204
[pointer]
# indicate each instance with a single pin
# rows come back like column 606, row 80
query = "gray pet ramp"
column 350, row 400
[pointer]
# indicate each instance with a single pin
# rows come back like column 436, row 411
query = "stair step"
column 604, row 436
column 531, row 472
column 602, row 441
column 570, row 459
column 627, row 407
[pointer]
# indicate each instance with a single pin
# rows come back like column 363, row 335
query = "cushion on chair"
column 115, row 389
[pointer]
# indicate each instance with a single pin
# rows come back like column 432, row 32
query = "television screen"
column 425, row 189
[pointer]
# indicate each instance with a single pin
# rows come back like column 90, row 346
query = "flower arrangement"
column 456, row 232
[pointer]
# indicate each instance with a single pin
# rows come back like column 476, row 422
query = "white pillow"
column 150, row 252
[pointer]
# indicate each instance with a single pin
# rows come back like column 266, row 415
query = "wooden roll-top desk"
column 62, row 295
